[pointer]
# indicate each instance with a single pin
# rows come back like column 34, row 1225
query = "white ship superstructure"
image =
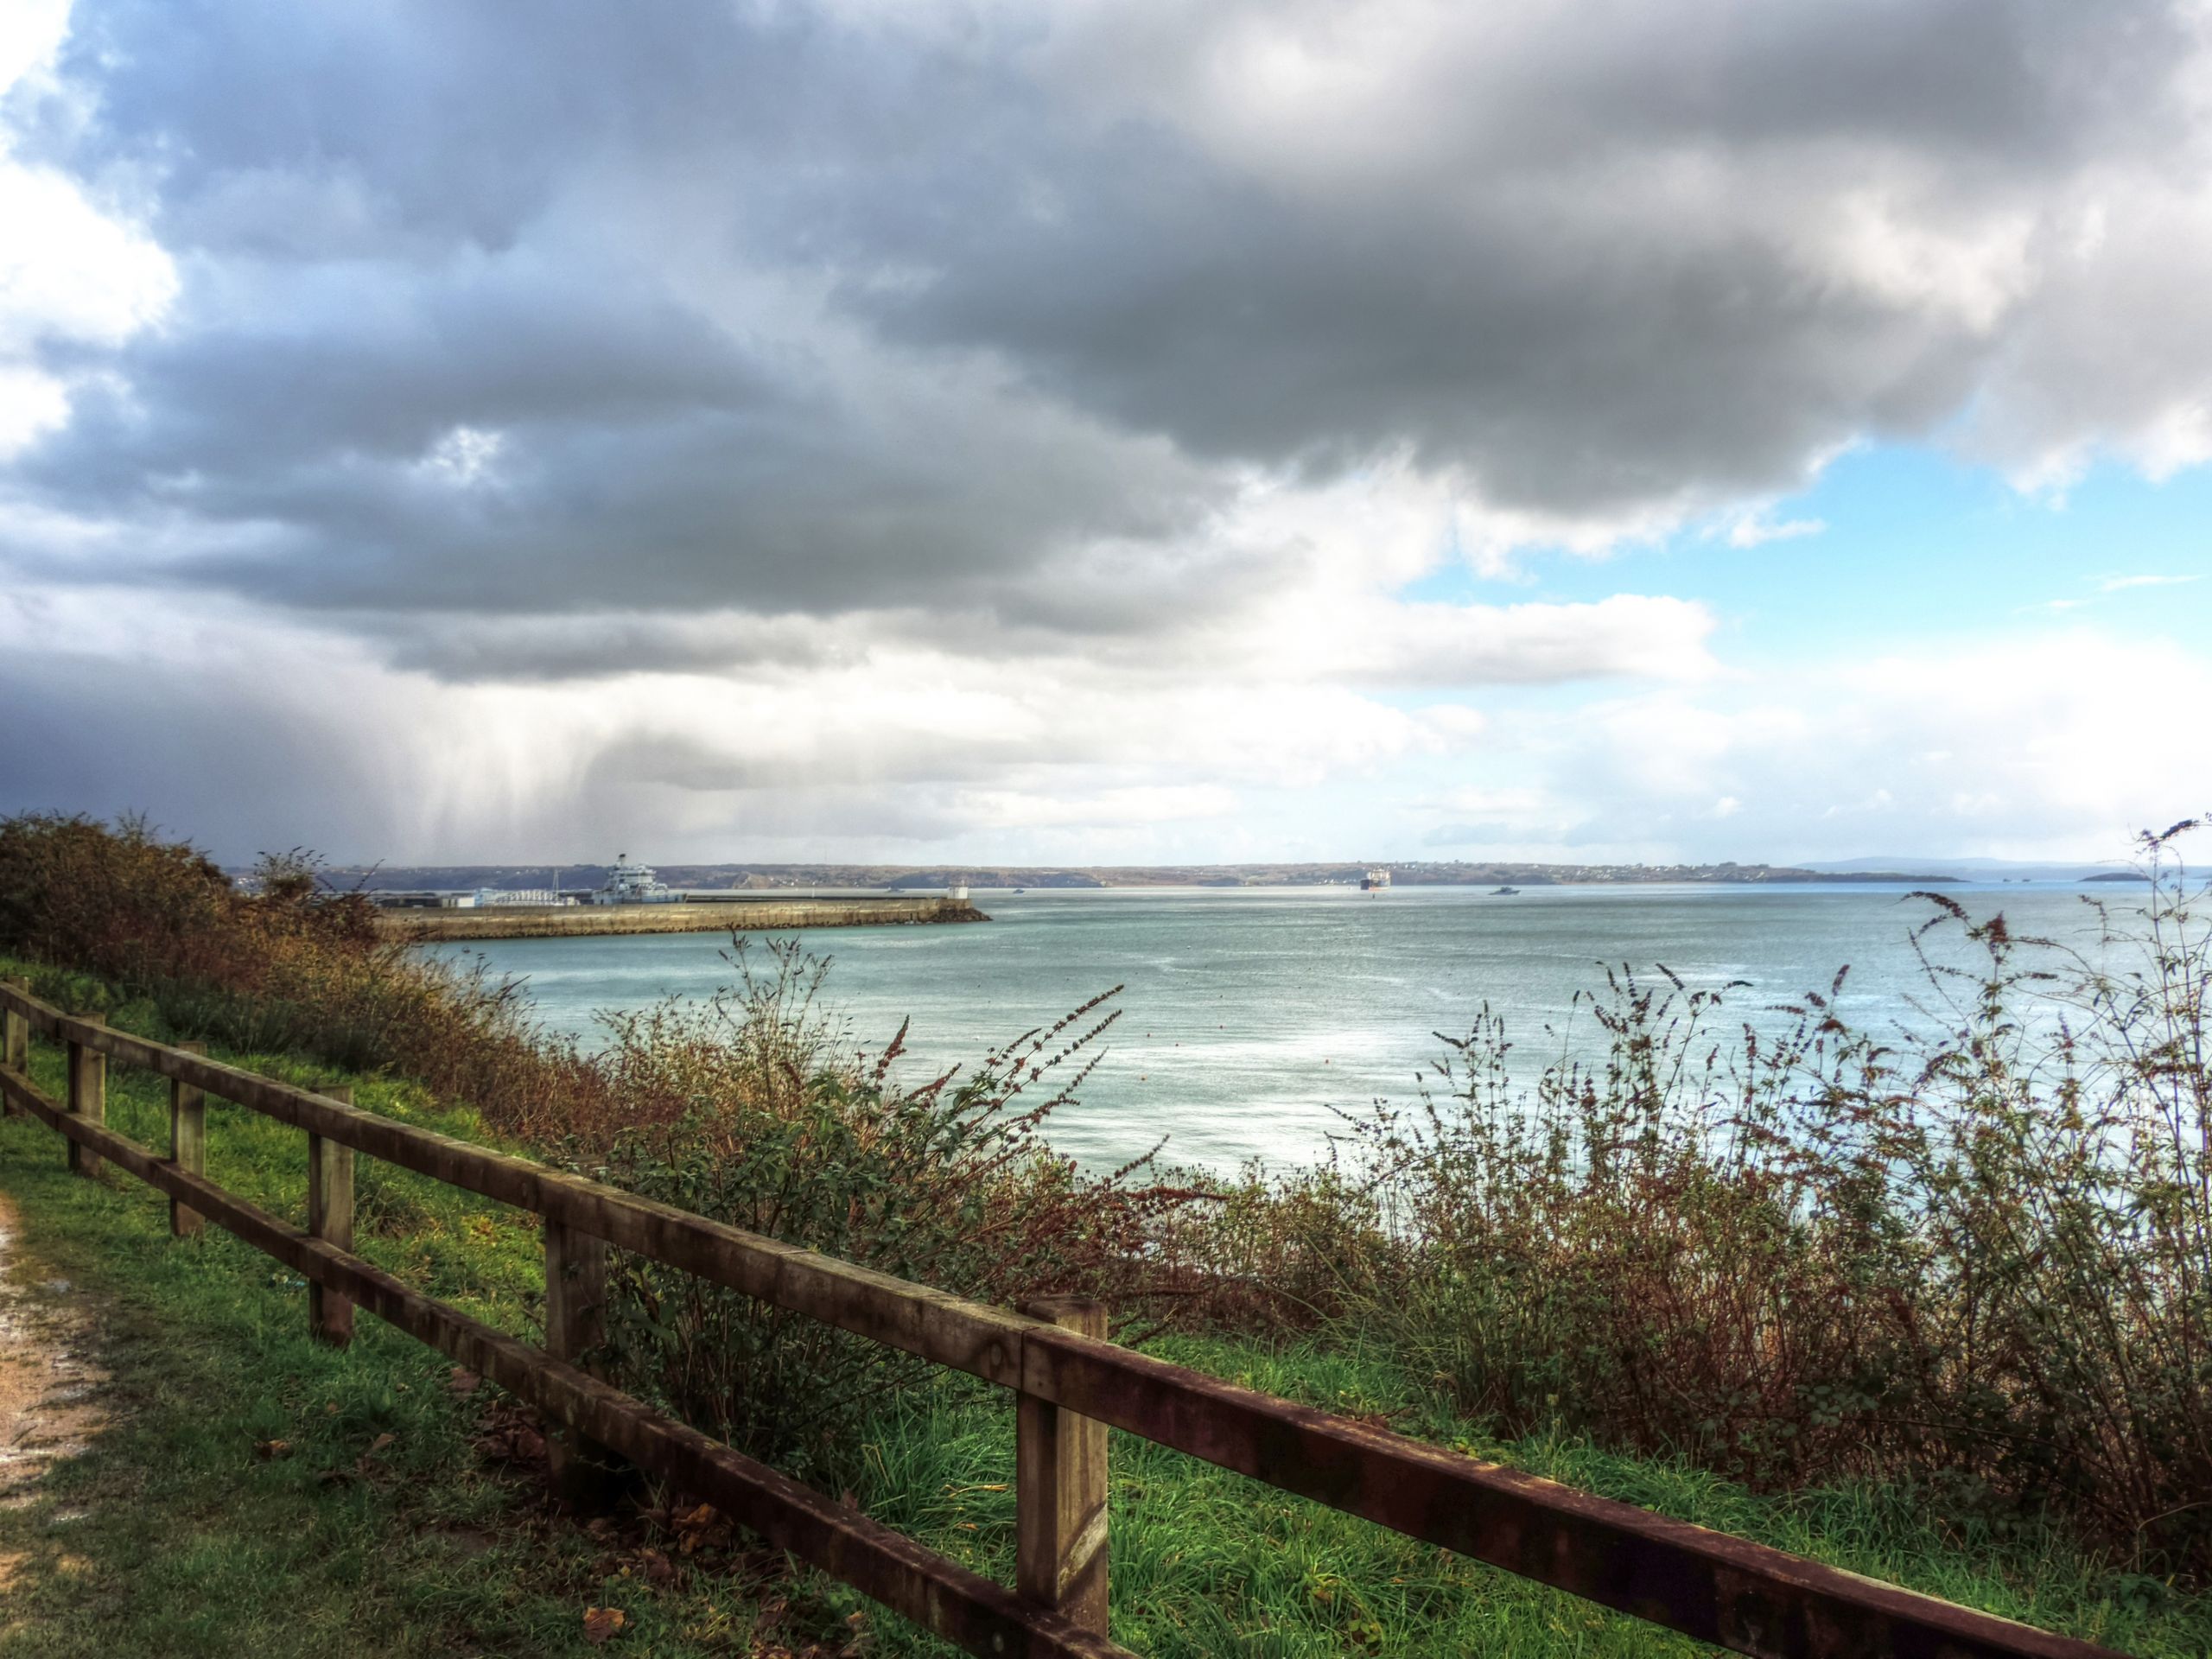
column 632, row 884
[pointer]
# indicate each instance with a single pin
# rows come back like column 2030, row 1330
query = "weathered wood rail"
column 1070, row 1383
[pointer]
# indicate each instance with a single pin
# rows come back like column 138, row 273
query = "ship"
column 1375, row 881
column 633, row 883
column 1503, row 893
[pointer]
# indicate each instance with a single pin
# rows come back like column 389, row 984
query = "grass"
column 1205, row 1562
column 245, row 1498
column 1966, row 1259
column 178, row 1533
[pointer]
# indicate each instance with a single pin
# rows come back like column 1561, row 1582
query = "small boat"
column 1503, row 893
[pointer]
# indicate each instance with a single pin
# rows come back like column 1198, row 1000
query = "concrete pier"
column 693, row 916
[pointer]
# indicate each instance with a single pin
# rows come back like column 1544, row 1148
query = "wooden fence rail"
column 1071, row 1384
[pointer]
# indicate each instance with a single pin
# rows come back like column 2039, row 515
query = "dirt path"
column 49, row 1384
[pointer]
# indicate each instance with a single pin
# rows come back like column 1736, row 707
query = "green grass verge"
column 1206, row 1563
column 174, row 1536
column 178, row 1533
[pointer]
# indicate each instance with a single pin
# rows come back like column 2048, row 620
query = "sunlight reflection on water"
column 1248, row 1015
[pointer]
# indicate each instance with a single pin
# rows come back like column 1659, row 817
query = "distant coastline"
column 909, row 878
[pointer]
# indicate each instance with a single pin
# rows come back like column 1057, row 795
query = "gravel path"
column 49, row 1382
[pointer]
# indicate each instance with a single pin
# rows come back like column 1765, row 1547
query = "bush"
column 1978, row 1258
column 283, row 963
column 753, row 1107
column 765, row 1117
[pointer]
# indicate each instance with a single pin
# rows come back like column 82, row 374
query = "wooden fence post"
column 188, row 1142
column 15, row 1042
column 588, row 1475
column 1060, row 1489
column 87, row 1095
column 330, row 1218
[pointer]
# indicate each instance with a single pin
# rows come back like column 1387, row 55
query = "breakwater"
column 696, row 916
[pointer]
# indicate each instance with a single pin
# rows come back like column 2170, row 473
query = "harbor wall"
column 697, row 916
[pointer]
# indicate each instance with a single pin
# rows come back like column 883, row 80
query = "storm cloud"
column 813, row 308
column 1135, row 351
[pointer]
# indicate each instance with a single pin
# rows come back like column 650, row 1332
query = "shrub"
column 283, row 963
column 765, row 1116
column 1979, row 1256
column 1975, row 1256
column 753, row 1107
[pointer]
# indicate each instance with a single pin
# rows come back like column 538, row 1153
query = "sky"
column 1136, row 432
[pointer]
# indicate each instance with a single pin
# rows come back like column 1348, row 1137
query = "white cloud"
column 1454, row 722
column 2058, row 744
column 70, row 273
column 1492, row 803
column 2106, row 352
column 30, row 30
column 463, row 455
column 1371, row 639
column 1755, row 530
column 1109, row 809
column 949, row 421
column 895, row 740
column 30, row 403
column 2051, row 744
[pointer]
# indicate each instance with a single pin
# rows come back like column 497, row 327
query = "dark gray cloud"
column 785, row 308
column 210, row 750
column 573, row 646
column 1587, row 260
column 641, row 452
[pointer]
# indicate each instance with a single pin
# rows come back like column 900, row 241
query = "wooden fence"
column 1071, row 1384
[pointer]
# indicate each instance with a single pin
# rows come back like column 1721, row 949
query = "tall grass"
column 1972, row 1258
column 761, row 1112
column 280, row 963
column 753, row 1107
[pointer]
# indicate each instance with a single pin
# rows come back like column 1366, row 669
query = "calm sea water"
column 1248, row 1015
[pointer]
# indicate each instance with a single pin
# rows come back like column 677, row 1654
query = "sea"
column 1251, row 1020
